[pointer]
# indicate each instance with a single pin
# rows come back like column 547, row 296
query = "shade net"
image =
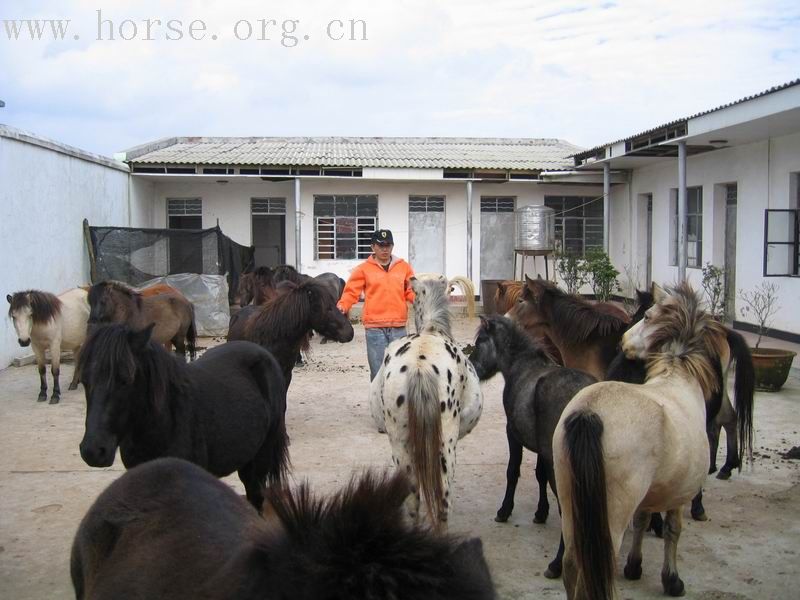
column 134, row 255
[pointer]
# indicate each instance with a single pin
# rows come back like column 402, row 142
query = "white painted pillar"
column 606, row 203
column 682, row 246
column 469, row 229
column 297, row 260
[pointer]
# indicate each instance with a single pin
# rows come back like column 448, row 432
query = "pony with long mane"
column 173, row 314
column 283, row 324
column 534, row 396
column 427, row 396
column 586, row 333
column 623, row 451
column 224, row 412
column 256, row 287
column 506, row 297
column 48, row 322
column 167, row 529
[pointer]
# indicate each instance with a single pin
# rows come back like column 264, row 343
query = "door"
column 649, row 240
column 497, row 237
column 185, row 249
column 426, row 234
column 731, row 200
column 269, row 240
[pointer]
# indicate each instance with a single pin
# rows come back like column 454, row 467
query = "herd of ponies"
column 624, row 413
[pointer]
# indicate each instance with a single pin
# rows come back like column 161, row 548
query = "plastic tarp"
column 208, row 293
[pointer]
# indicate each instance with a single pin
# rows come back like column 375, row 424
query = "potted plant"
column 771, row 364
column 572, row 271
column 602, row 275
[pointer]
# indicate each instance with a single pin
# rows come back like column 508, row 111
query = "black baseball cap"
column 382, row 236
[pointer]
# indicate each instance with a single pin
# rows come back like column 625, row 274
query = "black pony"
column 534, row 396
column 167, row 529
column 224, row 412
column 283, row 324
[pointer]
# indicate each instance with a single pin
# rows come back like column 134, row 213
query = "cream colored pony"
column 464, row 283
column 623, row 451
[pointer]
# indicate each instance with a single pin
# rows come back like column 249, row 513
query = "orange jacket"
column 385, row 292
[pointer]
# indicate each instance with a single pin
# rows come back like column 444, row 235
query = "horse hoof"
column 724, row 475
column 553, row 570
column 41, row 398
column 381, row 430
column 501, row 517
column 540, row 519
column 55, row 399
column 673, row 585
column 712, row 469
column 72, row 386
column 700, row 516
column 633, row 571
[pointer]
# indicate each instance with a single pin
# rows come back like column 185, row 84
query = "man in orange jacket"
column 384, row 279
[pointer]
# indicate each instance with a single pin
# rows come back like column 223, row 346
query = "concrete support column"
column 469, row 229
column 297, row 223
column 682, row 247
column 606, row 203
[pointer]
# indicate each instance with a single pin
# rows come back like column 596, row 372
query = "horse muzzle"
column 24, row 343
column 98, row 455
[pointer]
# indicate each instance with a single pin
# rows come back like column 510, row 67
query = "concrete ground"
column 748, row 549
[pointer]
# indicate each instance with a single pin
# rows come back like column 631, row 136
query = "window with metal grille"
column 694, row 227
column 344, row 225
column 268, row 206
column 497, row 204
column 781, row 242
column 426, row 204
column 578, row 223
column 184, row 213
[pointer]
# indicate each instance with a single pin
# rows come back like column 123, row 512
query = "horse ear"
column 138, row 339
column 659, row 294
column 414, row 283
column 8, row 297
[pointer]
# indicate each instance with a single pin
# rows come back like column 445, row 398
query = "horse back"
column 172, row 313
column 139, row 538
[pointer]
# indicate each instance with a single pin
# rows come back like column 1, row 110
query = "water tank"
column 534, row 228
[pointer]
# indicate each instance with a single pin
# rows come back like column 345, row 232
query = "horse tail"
column 468, row 289
column 590, row 530
column 425, row 438
column 191, row 335
column 744, row 388
column 270, row 380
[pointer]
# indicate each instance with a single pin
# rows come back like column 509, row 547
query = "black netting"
column 137, row 255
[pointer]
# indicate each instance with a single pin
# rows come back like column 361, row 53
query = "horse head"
column 326, row 318
column 108, row 364
column 111, row 302
column 30, row 308
column 484, row 357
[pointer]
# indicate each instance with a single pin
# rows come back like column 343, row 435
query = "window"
column 268, row 206
column 497, row 204
column 781, row 248
column 426, row 204
column 694, row 227
column 343, row 226
column 578, row 223
column 184, row 213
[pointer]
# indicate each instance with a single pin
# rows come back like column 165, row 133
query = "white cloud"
column 588, row 71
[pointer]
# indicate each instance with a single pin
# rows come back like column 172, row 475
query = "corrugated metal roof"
column 772, row 90
column 427, row 153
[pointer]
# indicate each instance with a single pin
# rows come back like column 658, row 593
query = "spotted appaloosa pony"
column 622, row 451
column 427, row 396
column 47, row 322
column 168, row 529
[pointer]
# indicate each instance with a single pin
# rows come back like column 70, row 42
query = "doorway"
column 731, row 201
column 426, row 233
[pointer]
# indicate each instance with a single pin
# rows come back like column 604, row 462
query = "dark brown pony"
column 167, row 529
column 506, row 297
column 283, row 324
column 172, row 313
column 256, row 287
column 586, row 333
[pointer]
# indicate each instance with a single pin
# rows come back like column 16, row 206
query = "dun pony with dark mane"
column 169, row 530
column 224, row 412
column 623, row 451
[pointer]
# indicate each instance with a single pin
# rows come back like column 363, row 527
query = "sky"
column 588, row 72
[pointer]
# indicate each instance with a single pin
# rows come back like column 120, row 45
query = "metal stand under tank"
column 533, row 253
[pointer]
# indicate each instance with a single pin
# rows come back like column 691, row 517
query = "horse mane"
column 287, row 273
column 431, row 306
column 686, row 336
column 359, row 544
column 519, row 342
column 284, row 314
column 110, row 345
column 507, row 294
column 577, row 320
column 44, row 305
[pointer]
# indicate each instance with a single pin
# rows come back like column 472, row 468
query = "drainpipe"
column 606, row 202
column 469, row 229
column 682, row 258
column 297, row 223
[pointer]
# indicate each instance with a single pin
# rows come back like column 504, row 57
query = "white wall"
column 230, row 203
column 44, row 196
column 762, row 172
